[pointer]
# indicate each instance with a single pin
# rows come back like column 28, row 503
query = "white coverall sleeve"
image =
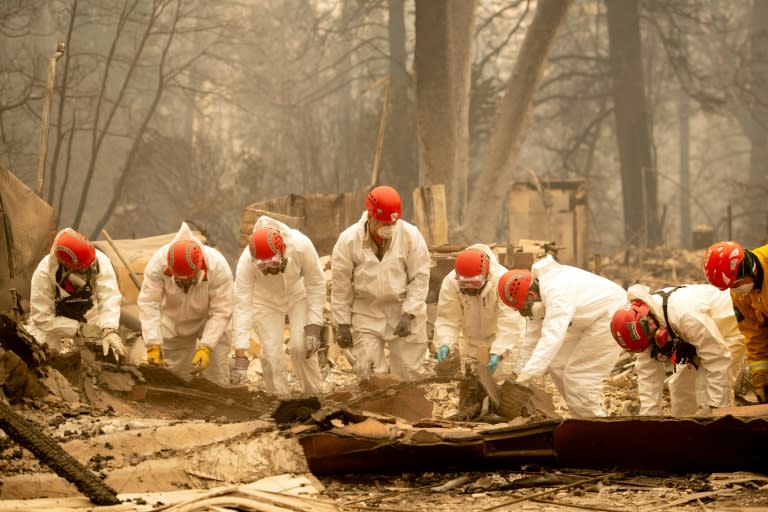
column 107, row 294
column 417, row 269
column 314, row 282
column 450, row 315
column 342, row 270
column 702, row 332
column 220, row 300
column 650, row 383
column 510, row 327
column 150, row 299
column 242, row 312
column 42, row 305
column 557, row 318
column 531, row 337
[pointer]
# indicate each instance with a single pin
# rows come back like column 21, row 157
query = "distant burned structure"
column 552, row 210
column 319, row 216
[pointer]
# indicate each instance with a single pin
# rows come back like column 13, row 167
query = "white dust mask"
column 386, row 231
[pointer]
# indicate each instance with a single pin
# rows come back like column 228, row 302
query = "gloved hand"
column 493, row 362
column 760, row 383
column 314, row 330
column 154, row 357
column 344, row 336
column 762, row 394
column 113, row 340
column 200, row 360
column 524, row 379
column 403, row 327
column 312, row 345
column 86, row 330
column 239, row 372
column 442, row 353
column 312, row 339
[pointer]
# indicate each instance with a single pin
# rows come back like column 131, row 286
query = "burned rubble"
column 159, row 441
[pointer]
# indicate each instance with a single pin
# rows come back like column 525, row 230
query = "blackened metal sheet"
column 674, row 445
column 332, row 454
column 720, row 444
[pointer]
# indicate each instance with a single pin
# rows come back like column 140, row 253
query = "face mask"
column 386, row 232
column 269, row 264
column 77, row 279
column 743, row 289
column 273, row 271
column 185, row 284
column 533, row 310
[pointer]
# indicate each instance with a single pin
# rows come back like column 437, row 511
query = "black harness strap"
column 679, row 351
column 80, row 299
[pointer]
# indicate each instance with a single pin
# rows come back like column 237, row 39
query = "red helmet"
column 266, row 243
column 472, row 267
column 722, row 262
column 383, row 204
column 185, row 259
column 514, row 286
column 74, row 251
column 629, row 326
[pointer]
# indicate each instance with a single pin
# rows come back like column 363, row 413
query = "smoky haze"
column 176, row 110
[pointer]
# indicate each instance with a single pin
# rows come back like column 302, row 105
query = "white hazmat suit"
column 701, row 315
column 573, row 340
column 371, row 295
column 49, row 328
column 477, row 325
column 179, row 322
column 262, row 301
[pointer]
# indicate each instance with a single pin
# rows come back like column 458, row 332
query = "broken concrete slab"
column 149, row 456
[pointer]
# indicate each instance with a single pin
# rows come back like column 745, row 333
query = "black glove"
column 761, row 392
column 403, row 327
column 344, row 336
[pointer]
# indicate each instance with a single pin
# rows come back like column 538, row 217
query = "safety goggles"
column 471, row 283
column 269, row 263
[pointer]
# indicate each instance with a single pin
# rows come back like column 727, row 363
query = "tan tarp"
column 27, row 227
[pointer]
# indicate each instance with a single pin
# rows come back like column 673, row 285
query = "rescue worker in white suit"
column 569, row 313
column 74, row 291
column 380, row 280
column 280, row 274
column 694, row 329
column 470, row 317
column 185, row 308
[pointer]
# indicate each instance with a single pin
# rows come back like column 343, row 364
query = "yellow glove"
column 154, row 357
column 201, row 358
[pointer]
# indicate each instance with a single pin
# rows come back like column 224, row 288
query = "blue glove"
column 493, row 362
column 442, row 353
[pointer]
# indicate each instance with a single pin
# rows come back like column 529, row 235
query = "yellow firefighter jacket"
column 752, row 313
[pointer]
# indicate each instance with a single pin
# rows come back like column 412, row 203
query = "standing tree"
column 513, row 118
column 443, row 63
column 400, row 164
column 638, row 174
